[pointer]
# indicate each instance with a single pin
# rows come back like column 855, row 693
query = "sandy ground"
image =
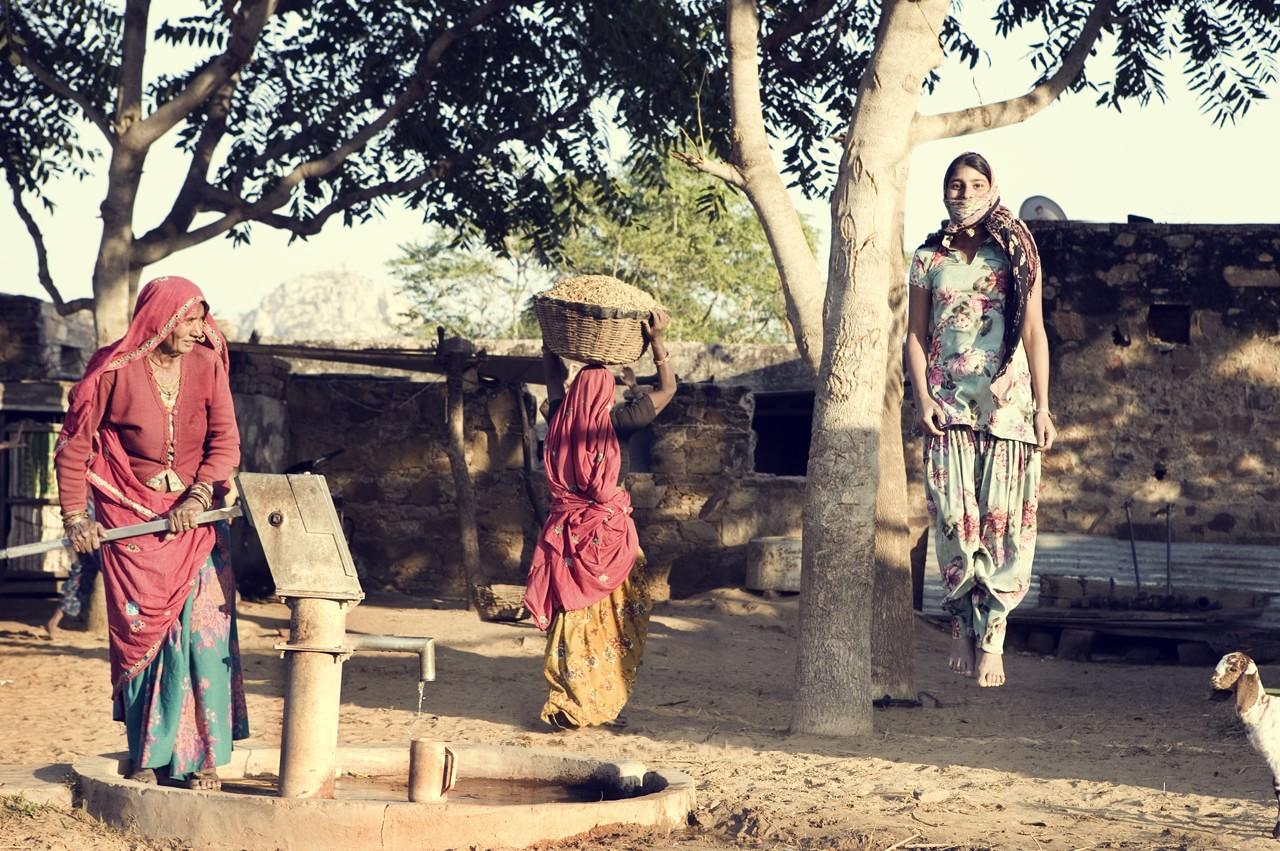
column 1068, row 756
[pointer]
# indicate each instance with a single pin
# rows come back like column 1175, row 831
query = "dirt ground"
column 1068, row 756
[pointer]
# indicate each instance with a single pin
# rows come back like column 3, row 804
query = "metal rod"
column 1133, row 546
column 309, row 736
column 133, row 531
column 1168, row 548
column 424, row 647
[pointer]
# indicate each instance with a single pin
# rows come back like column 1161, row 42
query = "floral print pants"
column 982, row 493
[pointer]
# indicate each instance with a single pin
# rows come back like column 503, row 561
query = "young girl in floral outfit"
column 978, row 358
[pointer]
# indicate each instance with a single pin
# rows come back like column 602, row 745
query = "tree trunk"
column 833, row 670
column 463, row 488
column 892, row 622
column 113, row 273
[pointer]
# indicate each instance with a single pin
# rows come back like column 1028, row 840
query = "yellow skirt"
column 592, row 655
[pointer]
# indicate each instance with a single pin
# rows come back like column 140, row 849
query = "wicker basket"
column 500, row 602
column 591, row 333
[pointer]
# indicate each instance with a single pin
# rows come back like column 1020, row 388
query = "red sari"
column 589, row 543
column 118, row 435
column 581, row 587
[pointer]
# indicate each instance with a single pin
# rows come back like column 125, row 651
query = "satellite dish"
column 1040, row 208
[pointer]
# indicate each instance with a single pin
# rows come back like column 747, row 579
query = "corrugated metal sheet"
column 1231, row 566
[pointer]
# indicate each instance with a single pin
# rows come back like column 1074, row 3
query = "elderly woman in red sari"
column 584, row 587
column 150, row 433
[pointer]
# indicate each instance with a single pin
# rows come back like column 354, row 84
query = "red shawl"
column 588, row 544
column 147, row 579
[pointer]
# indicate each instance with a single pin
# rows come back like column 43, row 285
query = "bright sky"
column 1167, row 162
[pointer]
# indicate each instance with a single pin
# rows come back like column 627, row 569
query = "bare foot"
column 51, row 626
column 206, row 781
column 960, row 659
column 990, row 669
column 144, row 775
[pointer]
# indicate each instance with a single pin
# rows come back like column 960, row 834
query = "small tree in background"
column 474, row 293
column 698, row 250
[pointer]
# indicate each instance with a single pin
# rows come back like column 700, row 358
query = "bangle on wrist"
column 1045, row 411
column 75, row 518
column 201, row 492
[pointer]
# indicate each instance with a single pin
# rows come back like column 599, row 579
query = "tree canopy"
column 483, row 115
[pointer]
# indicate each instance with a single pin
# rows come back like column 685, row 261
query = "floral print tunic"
column 966, row 329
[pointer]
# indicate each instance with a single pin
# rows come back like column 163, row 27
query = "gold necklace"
column 168, row 389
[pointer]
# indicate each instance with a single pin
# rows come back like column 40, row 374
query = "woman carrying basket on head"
column 583, row 586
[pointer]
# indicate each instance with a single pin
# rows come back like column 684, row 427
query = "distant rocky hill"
column 333, row 306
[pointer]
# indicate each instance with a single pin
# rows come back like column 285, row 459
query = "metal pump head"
column 301, row 535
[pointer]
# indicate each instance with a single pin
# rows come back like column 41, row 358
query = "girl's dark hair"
column 973, row 160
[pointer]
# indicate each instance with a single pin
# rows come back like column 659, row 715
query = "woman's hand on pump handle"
column 86, row 536
column 183, row 517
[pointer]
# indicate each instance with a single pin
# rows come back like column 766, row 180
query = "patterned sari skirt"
column 592, row 655
column 184, row 710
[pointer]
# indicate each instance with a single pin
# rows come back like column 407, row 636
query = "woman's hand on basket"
column 655, row 325
column 86, row 536
column 182, row 518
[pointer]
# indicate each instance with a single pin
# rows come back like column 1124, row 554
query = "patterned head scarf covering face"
column 965, row 213
column 985, row 212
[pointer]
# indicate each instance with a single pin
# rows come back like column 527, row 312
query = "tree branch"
column 246, row 30
column 728, row 172
column 60, row 87
column 187, row 203
column 801, row 23
column 236, row 210
column 927, row 128
column 64, row 308
column 133, row 51
column 802, row 285
column 423, row 73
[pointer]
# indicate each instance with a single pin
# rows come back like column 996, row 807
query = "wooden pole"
column 463, row 487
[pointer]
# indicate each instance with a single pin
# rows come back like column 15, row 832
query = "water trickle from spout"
column 422, row 690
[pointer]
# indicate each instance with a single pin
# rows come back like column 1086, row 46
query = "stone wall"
column 259, row 386
column 394, row 478
column 697, row 501
column 38, row 344
column 1166, row 378
column 700, row 503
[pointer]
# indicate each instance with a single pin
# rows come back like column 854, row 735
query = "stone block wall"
column 697, row 504
column 259, row 386
column 395, row 482
column 38, row 344
column 701, row 502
